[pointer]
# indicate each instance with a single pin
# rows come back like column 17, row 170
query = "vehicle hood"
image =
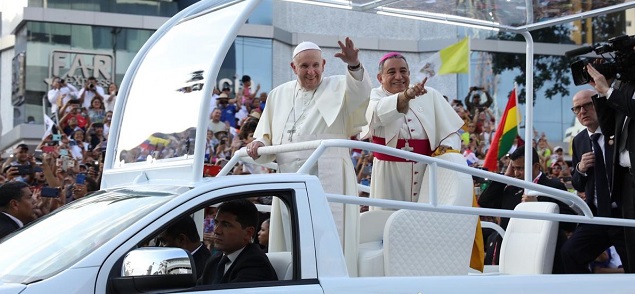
column 11, row 288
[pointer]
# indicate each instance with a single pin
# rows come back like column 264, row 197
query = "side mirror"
column 155, row 269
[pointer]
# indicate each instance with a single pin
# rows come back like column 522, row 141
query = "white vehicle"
column 98, row 244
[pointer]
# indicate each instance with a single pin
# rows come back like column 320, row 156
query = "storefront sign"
column 77, row 66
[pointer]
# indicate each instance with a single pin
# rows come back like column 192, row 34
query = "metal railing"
column 573, row 201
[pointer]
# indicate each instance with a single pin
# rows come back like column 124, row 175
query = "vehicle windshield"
column 62, row 238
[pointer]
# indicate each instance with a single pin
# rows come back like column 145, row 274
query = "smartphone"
column 24, row 169
column 70, row 163
column 48, row 149
column 37, row 153
column 63, row 152
column 50, row 192
column 57, row 137
column 80, row 179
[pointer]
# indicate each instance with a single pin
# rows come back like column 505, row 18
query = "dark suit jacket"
column 612, row 113
column 501, row 196
column 200, row 259
column 582, row 183
column 251, row 265
column 7, row 225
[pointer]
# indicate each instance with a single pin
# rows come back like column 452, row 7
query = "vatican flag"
column 452, row 59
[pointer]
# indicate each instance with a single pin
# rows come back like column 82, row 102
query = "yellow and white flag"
column 452, row 59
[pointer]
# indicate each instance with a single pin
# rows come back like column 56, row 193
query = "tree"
column 546, row 67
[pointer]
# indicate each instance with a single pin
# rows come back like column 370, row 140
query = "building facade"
column 77, row 39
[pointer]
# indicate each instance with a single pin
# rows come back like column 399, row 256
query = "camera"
column 619, row 62
column 91, row 86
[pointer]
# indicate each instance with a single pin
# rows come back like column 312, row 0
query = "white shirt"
column 232, row 257
column 88, row 97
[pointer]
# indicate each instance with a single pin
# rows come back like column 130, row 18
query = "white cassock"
column 429, row 117
column 335, row 110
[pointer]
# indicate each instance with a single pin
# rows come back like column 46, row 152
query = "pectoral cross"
column 407, row 147
column 291, row 131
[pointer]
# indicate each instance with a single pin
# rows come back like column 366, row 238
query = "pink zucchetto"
column 388, row 55
column 305, row 46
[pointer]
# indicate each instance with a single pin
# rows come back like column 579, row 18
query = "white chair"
column 418, row 243
column 370, row 261
column 282, row 263
column 529, row 245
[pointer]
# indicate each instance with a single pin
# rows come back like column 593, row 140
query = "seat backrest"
column 282, row 263
column 529, row 245
column 419, row 243
column 453, row 187
column 371, row 225
column 431, row 243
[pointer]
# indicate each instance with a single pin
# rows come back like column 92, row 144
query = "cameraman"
column 90, row 91
column 615, row 106
column 475, row 104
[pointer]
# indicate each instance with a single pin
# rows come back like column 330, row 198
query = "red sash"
column 419, row 146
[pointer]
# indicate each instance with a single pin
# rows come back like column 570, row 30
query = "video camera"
column 619, row 64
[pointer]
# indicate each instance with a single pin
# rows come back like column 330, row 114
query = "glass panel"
column 42, row 249
column 503, row 12
column 165, row 8
column 161, row 110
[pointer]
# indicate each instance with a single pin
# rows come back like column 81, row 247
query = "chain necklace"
column 295, row 121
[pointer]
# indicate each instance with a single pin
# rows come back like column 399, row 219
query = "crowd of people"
column 400, row 113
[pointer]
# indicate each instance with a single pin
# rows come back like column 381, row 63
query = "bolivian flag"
column 506, row 131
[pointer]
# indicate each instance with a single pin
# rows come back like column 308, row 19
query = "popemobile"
column 102, row 243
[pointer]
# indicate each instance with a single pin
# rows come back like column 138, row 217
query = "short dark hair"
column 11, row 191
column 246, row 212
column 23, row 146
column 185, row 226
column 74, row 101
column 91, row 78
column 97, row 125
column 246, row 78
column 520, row 152
column 381, row 64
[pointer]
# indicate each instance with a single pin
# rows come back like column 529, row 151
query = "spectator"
column 16, row 207
column 248, row 95
column 89, row 91
column 263, row 101
column 75, row 111
column 96, row 111
column 112, row 97
column 215, row 124
column 183, row 234
column 544, row 151
column 96, row 133
column 78, row 145
column 228, row 110
column 60, row 93
column 263, row 235
column 555, row 170
column 107, row 121
column 475, row 104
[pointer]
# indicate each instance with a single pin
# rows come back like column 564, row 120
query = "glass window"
column 88, row 223
column 165, row 8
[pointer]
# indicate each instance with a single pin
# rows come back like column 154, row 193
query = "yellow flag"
column 452, row 59
column 455, row 58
